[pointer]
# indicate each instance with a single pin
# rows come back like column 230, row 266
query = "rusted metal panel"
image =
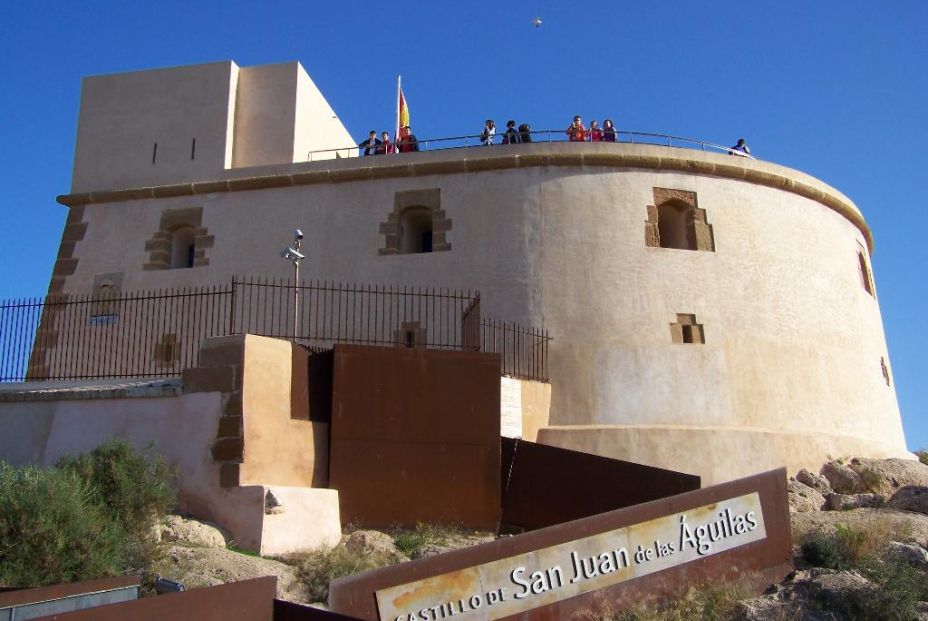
column 761, row 561
column 19, row 597
column 576, row 484
column 249, row 600
column 288, row 611
column 415, row 436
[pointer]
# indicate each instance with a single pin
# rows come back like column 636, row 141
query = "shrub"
column 848, row 547
column 413, row 542
column 134, row 491
column 871, row 479
column 706, row 603
column 52, row 530
column 922, row 456
column 317, row 568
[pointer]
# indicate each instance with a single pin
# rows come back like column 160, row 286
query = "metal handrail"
column 538, row 136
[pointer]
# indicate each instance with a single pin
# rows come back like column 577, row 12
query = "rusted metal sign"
column 542, row 577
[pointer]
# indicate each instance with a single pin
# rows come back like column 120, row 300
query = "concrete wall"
column 47, row 421
column 123, row 115
column 254, row 116
column 793, row 342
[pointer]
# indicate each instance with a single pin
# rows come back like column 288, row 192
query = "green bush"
column 133, row 490
column 319, row 567
column 52, row 530
column 922, row 456
column 413, row 542
column 89, row 517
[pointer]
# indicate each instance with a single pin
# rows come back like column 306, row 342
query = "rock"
column 272, row 506
column 886, row 476
column 374, row 542
column 803, row 498
column 846, row 502
column 202, row 567
column 175, row 528
column 913, row 553
column 816, row 482
column 829, row 588
column 899, row 525
column 843, row 479
column 910, row 498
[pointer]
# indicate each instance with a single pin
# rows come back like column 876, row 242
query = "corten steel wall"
column 249, row 600
column 415, row 436
column 288, row 611
column 761, row 562
column 576, row 485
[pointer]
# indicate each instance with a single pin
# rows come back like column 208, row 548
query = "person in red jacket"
column 576, row 132
column 387, row 146
column 596, row 134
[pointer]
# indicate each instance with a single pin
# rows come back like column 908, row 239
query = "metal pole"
column 296, row 299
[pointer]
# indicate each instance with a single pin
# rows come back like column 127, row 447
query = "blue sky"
column 837, row 90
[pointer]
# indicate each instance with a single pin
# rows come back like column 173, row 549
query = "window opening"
column 675, row 223
column 865, row 278
column 193, row 149
column 687, row 330
column 154, row 153
column 416, row 230
column 183, row 247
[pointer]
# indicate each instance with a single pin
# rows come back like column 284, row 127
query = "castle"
column 711, row 314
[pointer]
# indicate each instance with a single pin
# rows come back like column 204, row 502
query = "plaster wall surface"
column 124, row 115
column 279, row 450
column 183, row 124
column 182, row 430
column 793, row 342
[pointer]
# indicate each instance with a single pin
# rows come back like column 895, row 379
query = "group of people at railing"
column 407, row 142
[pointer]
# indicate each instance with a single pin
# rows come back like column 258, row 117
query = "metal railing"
column 159, row 333
column 543, row 136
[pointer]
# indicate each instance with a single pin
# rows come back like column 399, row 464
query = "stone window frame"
column 160, row 245
column 864, row 271
column 686, row 330
column 703, row 237
column 405, row 199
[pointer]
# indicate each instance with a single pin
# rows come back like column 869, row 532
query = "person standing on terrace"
column 489, row 130
column 596, row 134
column 576, row 132
column 385, row 145
column 511, row 136
column 740, row 149
column 371, row 146
column 407, row 141
column 608, row 131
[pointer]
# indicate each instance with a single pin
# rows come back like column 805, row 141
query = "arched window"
column 416, row 230
column 183, row 248
column 676, row 225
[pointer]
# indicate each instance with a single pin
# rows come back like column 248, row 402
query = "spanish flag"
column 402, row 110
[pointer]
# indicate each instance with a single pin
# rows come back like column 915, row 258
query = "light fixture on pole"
column 293, row 254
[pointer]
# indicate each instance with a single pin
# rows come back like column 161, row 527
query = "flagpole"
column 396, row 134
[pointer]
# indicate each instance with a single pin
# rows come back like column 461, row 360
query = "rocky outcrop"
column 367, row 542
column 197, row 567
column 910, row 498
column 846, row 502
column 843, row 479
column 803, row 498
column 815, row 481
column 886, row 476
column 177, row 529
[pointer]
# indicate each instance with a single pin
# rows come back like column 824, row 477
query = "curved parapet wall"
column 792, row 365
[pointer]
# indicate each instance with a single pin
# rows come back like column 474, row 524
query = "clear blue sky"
column 835, row 89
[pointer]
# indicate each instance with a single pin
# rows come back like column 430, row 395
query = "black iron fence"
column 159, row 333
